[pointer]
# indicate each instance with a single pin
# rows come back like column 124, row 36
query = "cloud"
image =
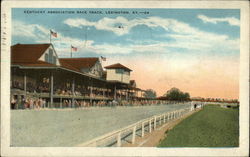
column 31, row 30
column 230, row 20
column 40, row 34
column 182, row 35
column 120, row 25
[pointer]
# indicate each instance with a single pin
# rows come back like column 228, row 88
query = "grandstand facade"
column 40, row 78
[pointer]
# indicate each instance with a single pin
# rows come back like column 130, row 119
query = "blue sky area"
column 147, row 32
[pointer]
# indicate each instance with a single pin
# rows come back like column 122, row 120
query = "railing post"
column 150, row 127
column 155, row 122
column 142, row 130
column 119, row 139
column 133, row 136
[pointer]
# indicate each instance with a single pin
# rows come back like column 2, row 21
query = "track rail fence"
column 129, row 133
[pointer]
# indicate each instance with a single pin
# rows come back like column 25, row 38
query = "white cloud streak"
column 183, row 36
column 112, row 24
column 230, row 20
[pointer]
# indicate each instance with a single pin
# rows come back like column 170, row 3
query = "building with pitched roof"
column 118, row 72
column 37, row 72
column 34, row 54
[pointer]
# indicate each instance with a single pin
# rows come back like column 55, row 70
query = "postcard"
column 125, row 78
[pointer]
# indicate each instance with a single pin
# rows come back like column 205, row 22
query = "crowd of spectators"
column 101, row 103
column 66, row 89
column 82, row 91
column 30, row 87
column 36, row 103
column 39, row 103
column 17, row 84
column 28, row 103
column 43, row 88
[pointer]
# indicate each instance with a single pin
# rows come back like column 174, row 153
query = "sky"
column 195, row 50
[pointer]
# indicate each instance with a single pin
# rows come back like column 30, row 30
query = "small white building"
column 118, row 72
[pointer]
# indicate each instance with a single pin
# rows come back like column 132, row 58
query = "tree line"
column 174, row 94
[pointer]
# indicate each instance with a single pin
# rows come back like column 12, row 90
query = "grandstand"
column 40, row 79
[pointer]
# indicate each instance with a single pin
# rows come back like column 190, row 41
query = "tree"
column 177, row 95
column 149, row 93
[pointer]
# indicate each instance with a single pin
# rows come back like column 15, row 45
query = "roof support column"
column 25, row 84
column 91, row 95
column 51, row 89
column 136, row 91
column 19, row 101
column 91, row 90
column 115, row 93
column 126, row 94
column 73, row 92
column 61, row 102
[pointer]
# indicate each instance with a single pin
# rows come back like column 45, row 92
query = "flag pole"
column 50, row 37
column 71, row 51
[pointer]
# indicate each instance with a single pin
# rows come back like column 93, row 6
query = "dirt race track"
column 70, row 127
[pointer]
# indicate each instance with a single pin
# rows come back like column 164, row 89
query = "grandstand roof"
column 38, row 64
column 117, row 66
column 79, row 63
column 28, row 53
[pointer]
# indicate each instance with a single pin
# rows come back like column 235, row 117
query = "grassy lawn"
column 213, row 126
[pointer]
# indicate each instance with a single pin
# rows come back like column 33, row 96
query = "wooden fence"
column 115, row 138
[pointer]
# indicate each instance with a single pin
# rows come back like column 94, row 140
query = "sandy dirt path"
column 70, row 127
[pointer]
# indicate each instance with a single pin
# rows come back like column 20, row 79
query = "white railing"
column 115, row 137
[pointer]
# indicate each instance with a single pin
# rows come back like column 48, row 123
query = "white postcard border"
column 6, row 150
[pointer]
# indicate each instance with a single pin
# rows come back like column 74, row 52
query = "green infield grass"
column 213, row 126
